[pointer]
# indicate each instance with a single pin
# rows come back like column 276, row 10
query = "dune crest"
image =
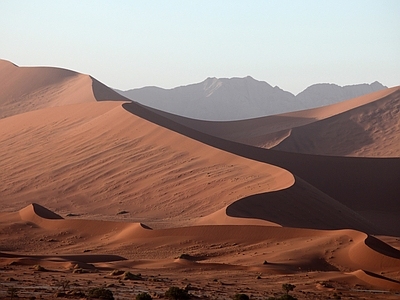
column 369, row 130
column 33, row 211
column 24, row 89
column 376, row 112
column 104, row 159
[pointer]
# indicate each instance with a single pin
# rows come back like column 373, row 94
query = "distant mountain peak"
column 223, row 99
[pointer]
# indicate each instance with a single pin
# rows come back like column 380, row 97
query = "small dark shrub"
column 287, row 287
column 101, row 293
column 241, row 297
column 143, row 296
column 12, row 292
column 175, row 293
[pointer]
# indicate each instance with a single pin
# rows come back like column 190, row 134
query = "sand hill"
column 365, row 126
column 83, row 182
column 24, row 89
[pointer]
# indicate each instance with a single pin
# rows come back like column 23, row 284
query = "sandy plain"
column 91, row 183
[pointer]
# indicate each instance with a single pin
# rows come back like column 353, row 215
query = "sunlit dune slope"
column 96, row 158
column 24, row 89
column 371, row 130
column 283, row 248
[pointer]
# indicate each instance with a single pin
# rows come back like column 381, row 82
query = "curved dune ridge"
column 98, row 159
column 102, row 160
column 34, row 210
column 363, row 126
column 368, row 130
column 24, row 89
column 372, row 194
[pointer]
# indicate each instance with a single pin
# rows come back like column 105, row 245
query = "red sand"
column 106, row 171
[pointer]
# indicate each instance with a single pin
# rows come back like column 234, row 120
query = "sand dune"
column 98, row 159
column 228, row 206
column 374, row 195
column 369, row 130
column 283, row 248
column 24, row 89
column 363, row 126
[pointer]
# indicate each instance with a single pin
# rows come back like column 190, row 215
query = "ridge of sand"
column 168, row 179
column 98, row 159
column 372, row 129
column 373, row 195
column 267, row 131
column 24, row 89
column 286, row 248
column 34, row 210
column 376, row 280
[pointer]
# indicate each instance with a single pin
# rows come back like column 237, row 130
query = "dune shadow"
column 103, row 93
column 299, row 206
column 380, row 276
column 360, row 184
column 381, row 247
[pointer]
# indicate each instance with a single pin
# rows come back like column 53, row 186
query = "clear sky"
column 168, row 43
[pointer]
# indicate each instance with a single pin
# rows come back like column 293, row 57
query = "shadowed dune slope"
column 369, row 130
column 267, row 132
column 24, row 89
column 365, row 185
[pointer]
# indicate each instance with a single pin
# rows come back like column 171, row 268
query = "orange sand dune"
column 267, row 132
column 283, row 248
column 369, row 130
column 368, row 186
column 25, row 89
column 219, row 202
column 98, row 159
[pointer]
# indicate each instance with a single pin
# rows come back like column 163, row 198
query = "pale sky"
column 130, row 44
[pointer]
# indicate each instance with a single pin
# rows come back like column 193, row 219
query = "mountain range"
column 226, row 99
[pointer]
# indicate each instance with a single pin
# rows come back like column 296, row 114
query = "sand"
column 90, row 183
column 365, row 126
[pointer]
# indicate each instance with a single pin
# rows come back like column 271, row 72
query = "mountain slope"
column 226, row 99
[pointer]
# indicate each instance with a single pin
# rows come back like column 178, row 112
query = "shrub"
column 12, row 292
column 241, row 297
column 175, row 293
column 129, row 276
column 143, row 296
column 101, row 293
column 287, row 287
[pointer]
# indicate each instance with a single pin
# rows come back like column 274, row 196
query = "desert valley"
column 99, row 191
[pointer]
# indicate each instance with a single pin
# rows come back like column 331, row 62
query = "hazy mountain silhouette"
column 242, row 98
